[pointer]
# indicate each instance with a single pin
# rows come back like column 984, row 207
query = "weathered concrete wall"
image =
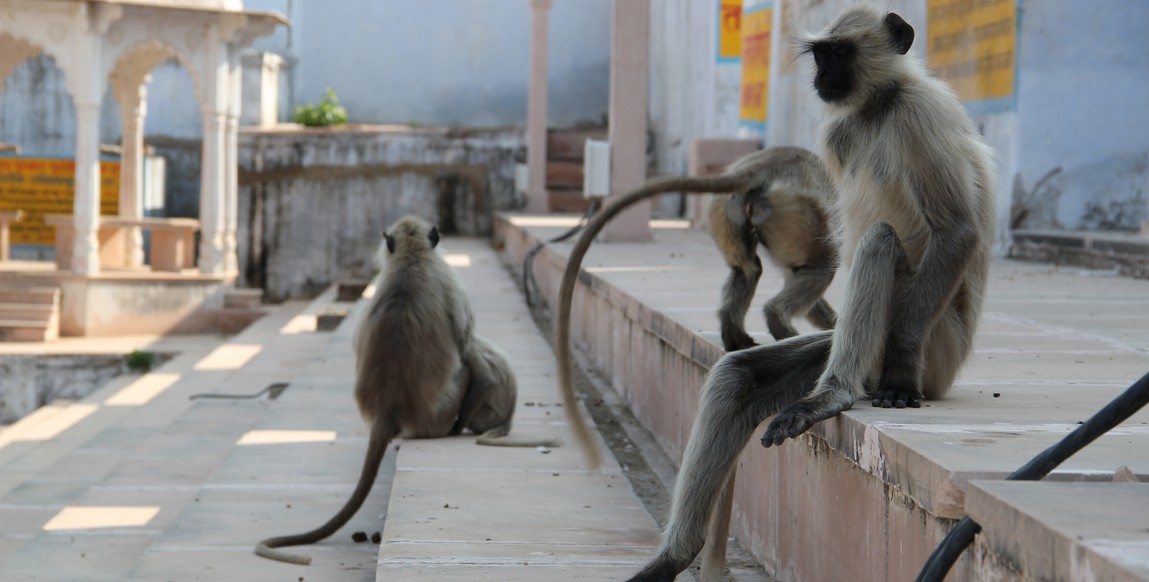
column 682, row 60
column 30, row 382
column 314, row 204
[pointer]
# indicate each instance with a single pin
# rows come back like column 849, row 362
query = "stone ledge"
column 644, row 313
column 1127, row 253
column 1066, row 531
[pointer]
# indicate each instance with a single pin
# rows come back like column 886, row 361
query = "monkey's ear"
column 434, row 236
column 390, row 243
column 901, row 33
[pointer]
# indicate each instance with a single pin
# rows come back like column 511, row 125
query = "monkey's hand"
column 895, row 397
column 900, row 384
column 898, row 387
column 826, row 401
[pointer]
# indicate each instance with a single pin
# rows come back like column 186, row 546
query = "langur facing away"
column 420, row 371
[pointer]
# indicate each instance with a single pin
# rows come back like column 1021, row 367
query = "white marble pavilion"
column 102, row 44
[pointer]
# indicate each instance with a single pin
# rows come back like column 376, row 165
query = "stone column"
column 212, row 193
column 213, row 166
column 629, row 43
column 231, row 165
column 537, row 109
column 133, row 111
column 86, row 205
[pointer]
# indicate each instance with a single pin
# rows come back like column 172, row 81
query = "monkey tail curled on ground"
column 420, row 370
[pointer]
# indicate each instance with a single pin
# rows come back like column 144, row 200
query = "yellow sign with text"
column 972, row 45
column 729, row 29
column 757, row 22
column 40, row 186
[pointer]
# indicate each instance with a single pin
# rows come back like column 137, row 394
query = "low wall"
column 780, row 515
column 33, row 381
column 313, row 203
column 110, row 305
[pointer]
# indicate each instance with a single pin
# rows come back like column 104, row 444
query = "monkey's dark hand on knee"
column 898, row 389
column 898, row 398
column 899, row 385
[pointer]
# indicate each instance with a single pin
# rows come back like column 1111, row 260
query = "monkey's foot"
column 779, row 327
column 898, row 398
column 800, row 416
column 735, row 340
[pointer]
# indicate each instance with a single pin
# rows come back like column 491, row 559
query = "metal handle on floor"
column 1116, row 412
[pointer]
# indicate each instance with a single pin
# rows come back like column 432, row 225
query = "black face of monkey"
column 434, row 236
column 390, row 243
column 836, row 58
column 835, row 61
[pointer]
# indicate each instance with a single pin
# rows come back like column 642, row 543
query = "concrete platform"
column 136, row 482
column 882, row 486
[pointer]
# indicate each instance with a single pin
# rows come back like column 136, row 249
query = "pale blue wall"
column 1083, row 106
column 457, row 62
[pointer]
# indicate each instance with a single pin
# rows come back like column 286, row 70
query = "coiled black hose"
column 1116, row 412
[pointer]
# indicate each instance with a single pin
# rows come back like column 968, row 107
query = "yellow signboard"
column 40, row 186
column 729, row 30
column 757, row 22
column 972, row 45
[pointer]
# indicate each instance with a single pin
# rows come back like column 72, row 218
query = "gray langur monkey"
column 777, row 197
column 915, row 205
column 782, row 206
column 420, row 371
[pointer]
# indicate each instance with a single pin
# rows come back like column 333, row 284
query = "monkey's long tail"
column 692, row 185
column 381, row 434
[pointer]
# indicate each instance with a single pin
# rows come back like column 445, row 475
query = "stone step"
column 31, row 295
column 16, row 330
column 26, row 311
column 243, row 298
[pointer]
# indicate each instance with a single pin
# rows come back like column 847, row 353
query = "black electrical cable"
column 529, row 258
column 1114, row 413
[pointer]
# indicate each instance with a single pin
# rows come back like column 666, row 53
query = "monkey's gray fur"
column 420, row 371
column 916, row 222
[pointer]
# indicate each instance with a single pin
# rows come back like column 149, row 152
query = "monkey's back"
column 408, row 347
